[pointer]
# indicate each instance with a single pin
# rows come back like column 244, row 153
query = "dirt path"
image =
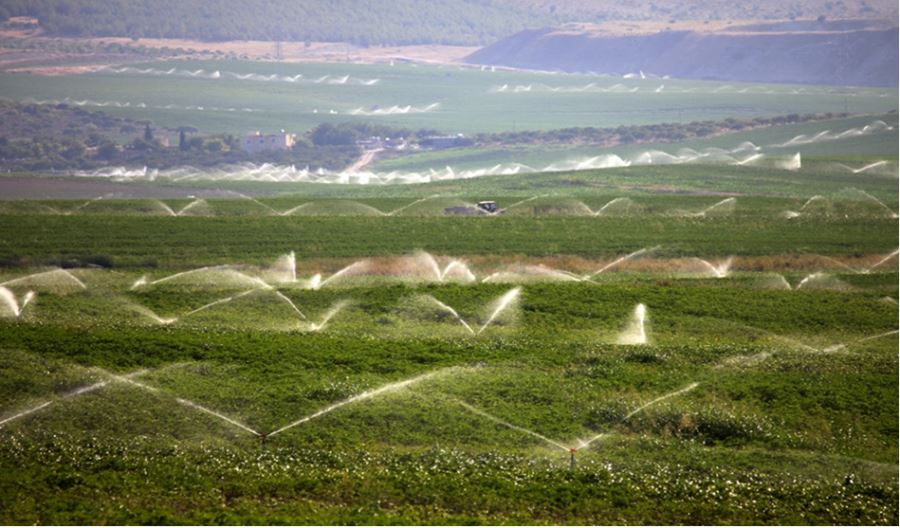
column 366, row 158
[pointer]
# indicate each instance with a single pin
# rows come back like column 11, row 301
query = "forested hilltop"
column 400, row 22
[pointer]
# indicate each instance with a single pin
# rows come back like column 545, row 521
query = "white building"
column 257, row 142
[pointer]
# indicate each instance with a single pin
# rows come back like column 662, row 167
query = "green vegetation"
column 112, row 50
column 467, row 98
column 782, row 414
column 367, row 22
column 849, row 149
column 61, row 137
column 656, row 133
column 716, row 340
column 62, row 121
column 805, row 433
column 50, row 239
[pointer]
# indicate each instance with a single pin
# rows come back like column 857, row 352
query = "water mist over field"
column 743, row 154
column 226, row 75
column 290, row 173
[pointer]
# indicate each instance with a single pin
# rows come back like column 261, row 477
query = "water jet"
column 366, row 395
column 220, row 301
column 451, row 311
column 720, row 270
column 9, row 301
column 47, row 278
column 635, row 333
column 335, row 308
column 620, row 260
column 500, row 305
column 197, row 406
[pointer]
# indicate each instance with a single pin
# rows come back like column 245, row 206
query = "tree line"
column 395, row 22
column 655, row 133
column 61, row 137
column 37, row 137
column 362, row 22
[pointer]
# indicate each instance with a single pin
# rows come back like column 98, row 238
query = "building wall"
column 260, row 143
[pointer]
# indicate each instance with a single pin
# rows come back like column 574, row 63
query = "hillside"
column 368, row 22
column 815, row 53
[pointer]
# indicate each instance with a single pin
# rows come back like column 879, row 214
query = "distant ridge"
column 774, row 53
column 396, row 22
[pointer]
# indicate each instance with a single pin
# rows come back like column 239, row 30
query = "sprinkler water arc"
column 620, row 260
column 366, row 395
column 582, row 444
column 502, row 304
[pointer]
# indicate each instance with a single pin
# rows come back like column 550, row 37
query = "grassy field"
column 773, row 141
column 835, row 159
column 686, row 210
column 702, row 343
column 468, row 100
column 273, row 387
column 137, row 241
column 759, row 405
column 839, row 176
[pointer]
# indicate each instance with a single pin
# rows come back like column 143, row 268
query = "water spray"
column 452, row 312
column 287, row 299
column 727, row 203
column 407, row 206
column 619, row 261
column 514, row 427
column 636, row 332
column 8, row 298
column 882, row 261
column 197, row 406
column 220, row 301
column 85, row 389
column 864, row 168
column 502, row 304
column 335, row 308
column 719, row 270
column 64, row 273
column 369, row 394
column 352, row 268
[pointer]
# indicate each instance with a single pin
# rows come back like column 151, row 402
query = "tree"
column 214, row 145
column 148, row 133
column 182, row 141
column 108, row 151
column 328, row 134
column 73, row 150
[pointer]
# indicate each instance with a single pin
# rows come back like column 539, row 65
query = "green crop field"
column 216, row 98
column 702, row 332
column 773, row 141
column 392, row 396
column 685, row 358
column 132, row 240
